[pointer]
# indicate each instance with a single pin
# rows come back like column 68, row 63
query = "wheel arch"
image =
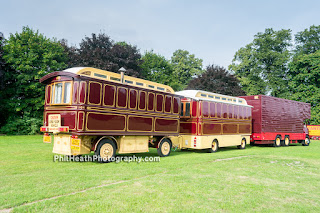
column 159, row 140
column 106, row 137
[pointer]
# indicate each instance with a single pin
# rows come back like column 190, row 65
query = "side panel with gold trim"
column 140, row 123
column 105, row 122
column 166, row 125
column 68, row 118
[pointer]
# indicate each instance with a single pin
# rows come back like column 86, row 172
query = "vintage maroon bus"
column 88, row 109
column 209, row 121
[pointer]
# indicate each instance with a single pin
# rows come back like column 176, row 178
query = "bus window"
column 185, row 110
column 67, row 91
column 58, row 93
column 176, row 102
column 187, row 113
column 59, row 90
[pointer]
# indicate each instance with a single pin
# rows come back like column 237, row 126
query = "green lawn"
column 267, row 179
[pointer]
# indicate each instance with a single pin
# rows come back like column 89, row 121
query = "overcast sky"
column 212, row 30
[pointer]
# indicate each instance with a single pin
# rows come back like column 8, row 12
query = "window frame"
column 53, row 90
column 183, row 106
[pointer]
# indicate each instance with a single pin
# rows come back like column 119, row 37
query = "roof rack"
column 203, row 95
column 115, row 77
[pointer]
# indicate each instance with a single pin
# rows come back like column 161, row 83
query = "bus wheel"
column 243, row 144
column 214, row 146
column 106, row 151
column 277, row 142
column 286, row 141
column 306, row 142
column 164, row 148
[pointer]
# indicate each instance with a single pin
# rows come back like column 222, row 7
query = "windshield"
column 61, row 93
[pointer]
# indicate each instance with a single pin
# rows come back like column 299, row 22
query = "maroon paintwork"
column 102, row 107
column 272, row 117
column 211, row 118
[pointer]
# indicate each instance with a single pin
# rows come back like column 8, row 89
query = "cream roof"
column 111, row 76
column 196, row 94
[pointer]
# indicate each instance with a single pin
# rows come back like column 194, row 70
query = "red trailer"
column 278, row 121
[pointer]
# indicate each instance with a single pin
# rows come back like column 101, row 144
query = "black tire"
column 214, row 146
column 306, row 142
column 277, row 142
column 164, row 148
column 286, row 141
column 243, row 144
column 105, row 151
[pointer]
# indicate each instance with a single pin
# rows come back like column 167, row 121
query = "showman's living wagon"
column 88, row 109
column 209, row 120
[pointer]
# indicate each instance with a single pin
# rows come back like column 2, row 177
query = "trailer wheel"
column 286, row 141
column 243, row 144
column 277, row 142
column 306, row 142
column 164, row 148
column 106, row 151
column 214, row 146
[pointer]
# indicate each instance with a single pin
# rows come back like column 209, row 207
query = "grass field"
column 263, row 179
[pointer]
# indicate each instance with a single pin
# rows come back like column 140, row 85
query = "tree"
column 308, row 41
column 218, row 80
column 185, row 66
column 304, row 70
column 3, row 108
column 304, row 78
column 262, row 65
column 156, row 68
column 2, row 64
column 99, row 51
column 30, row 56
column 127, row 56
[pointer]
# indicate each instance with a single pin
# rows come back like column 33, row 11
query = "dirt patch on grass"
column 233, row 158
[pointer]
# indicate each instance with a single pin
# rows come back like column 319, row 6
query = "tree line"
column 273, row 64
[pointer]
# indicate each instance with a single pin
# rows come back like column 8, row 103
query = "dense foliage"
column 29, row 56
column 261, row 65
column 304, row 72
column 177, row 72
column 101, row 52
column 3, row 108
column 157, row 68
column 305, row 82
column 218, row 80
column 185, row 66
column 266, row 66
